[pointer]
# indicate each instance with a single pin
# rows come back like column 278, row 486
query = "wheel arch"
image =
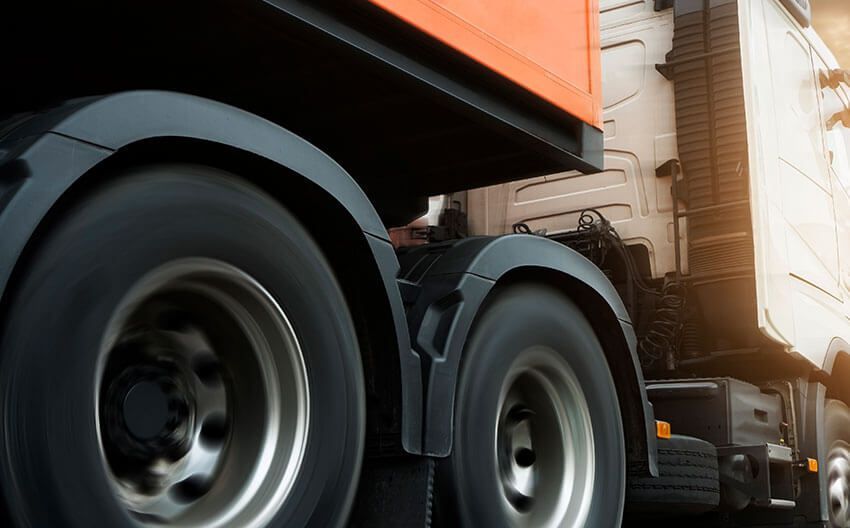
column 50, row 160
column 836, row 367
column 454, row 280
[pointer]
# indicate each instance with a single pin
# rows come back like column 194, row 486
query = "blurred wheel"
column 180, row 354
column 837, row 439
column 538, row 434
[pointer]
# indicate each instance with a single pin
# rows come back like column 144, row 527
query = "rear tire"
column 212, row 299
column 538, row 438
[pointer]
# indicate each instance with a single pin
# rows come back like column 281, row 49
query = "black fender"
column 446, row 285
column 43, row 156
column 838, row 348
column 835, row 369
column 810, row 398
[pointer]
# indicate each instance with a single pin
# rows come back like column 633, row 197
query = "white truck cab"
column 727, row 176
column 765, row 150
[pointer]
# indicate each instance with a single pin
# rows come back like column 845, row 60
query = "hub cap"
column 544, row 444
column 838, row 467
column 202, row 400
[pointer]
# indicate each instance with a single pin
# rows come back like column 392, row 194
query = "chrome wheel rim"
column 202, row 402
column 544, row 449
column 838, row 470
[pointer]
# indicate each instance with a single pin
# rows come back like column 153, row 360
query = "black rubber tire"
column 51, row 470
column 836, row 431
column 688, row 480
column 514, row 319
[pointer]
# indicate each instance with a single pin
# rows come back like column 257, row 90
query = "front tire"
column 837, row 440
column 179, row 353
column 538, row 435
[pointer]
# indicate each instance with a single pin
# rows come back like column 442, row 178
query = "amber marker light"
column 812, row 465
column 663, row 430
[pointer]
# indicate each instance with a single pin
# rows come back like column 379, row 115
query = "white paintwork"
column 640, row 134
column 801, row 211
column 799, row 171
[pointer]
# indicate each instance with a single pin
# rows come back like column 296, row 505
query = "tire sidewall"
column 836, row 423
column 50, row 346
column 517, row 319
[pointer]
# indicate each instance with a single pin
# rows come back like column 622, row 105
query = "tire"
column 252, row 321
column 837, row 441
column 531, row 352
column 688, row 480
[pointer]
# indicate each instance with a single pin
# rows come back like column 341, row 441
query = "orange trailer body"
column 549, row 47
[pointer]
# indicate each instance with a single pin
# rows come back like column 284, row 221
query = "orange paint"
column 549, row 47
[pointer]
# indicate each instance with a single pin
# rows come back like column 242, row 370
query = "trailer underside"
column 407, row 116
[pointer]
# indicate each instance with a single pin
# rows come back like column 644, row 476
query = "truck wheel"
column 538, row 437
column 688, row 479
column 837, row 439
column 178, row 353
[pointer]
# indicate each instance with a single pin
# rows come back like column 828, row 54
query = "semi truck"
column 632, row 306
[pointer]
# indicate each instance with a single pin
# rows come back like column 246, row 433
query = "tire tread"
column 688, row 479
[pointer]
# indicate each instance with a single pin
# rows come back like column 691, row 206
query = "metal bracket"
column 786, row 391
column 666, row 69
column 759, row 474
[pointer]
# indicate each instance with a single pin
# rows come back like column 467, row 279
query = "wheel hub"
column 147, row 410
column 518, row 463
column 544, row 443
column 203, row 401
column 838, row 468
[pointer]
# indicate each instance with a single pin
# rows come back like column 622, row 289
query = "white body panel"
column 799, row 171
column 640, row 134
column 800, row 210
